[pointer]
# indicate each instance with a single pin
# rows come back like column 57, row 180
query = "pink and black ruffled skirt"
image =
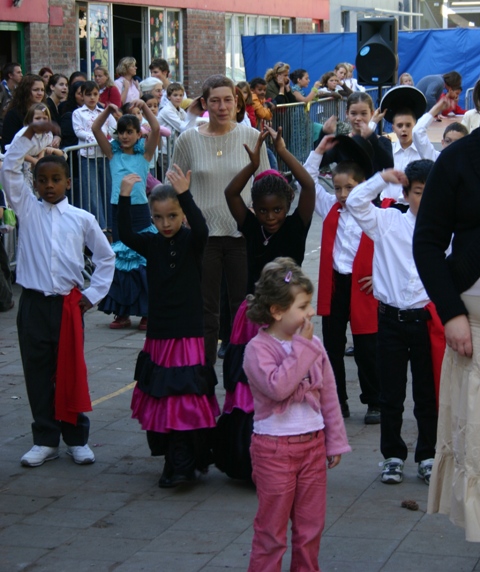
column 175, row 390
column 235, row 425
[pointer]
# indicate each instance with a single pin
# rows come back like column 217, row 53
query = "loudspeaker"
column 377, row 60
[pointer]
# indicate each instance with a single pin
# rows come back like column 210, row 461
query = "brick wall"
column 302, row 26
column 203, row 48
column 53, row 45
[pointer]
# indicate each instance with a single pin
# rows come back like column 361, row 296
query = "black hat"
column 355, row 149
column 403, row 96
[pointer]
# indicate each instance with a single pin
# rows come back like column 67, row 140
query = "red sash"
column 436, row 332
column 71, row 385
column 363, row 307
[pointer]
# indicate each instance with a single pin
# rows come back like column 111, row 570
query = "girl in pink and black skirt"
column 268, row 233
column 174, row 398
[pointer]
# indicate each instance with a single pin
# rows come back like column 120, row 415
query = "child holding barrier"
column 298, row 427
column 174, row 399
column 269, row 233
column 128, row 294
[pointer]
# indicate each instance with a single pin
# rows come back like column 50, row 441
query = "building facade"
column 197, row 38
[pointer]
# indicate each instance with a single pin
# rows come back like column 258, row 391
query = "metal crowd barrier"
column 301, row 124
column 98, row 172
column 469, row 99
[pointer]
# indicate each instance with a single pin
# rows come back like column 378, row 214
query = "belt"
column 302, row 438
column 415, row 315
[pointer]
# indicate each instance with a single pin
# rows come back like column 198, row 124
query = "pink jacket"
column 277, row 379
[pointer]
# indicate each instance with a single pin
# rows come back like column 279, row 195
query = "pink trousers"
column 290, row 476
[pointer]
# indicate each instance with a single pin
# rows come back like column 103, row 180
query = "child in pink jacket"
column 297, row 426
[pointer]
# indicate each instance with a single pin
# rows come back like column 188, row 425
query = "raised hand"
column 180, row 182
column 255, row 154
column 128, row 183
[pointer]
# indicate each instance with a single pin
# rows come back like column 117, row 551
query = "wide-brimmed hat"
column 403, row 97
column 355, row 149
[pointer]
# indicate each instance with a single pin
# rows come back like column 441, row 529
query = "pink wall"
column 315, row 9
column 28, row 11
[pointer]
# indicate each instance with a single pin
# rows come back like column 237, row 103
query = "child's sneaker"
column 392, row 471
column 425, row 470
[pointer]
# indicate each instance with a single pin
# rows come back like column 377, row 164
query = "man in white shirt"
column 50, row 261
column 403, row 329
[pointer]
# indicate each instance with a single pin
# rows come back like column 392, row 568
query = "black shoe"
column 178, row 479
column 166, row 478
column 345, row 410
column 350, row 351
column 373, row 416
column 222, row 350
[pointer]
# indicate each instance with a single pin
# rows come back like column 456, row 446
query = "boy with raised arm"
column 50, row 261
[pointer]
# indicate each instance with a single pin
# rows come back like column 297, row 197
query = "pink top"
column 278, row 379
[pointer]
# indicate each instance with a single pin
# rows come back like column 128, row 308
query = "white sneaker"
column 82, row 454
column 38, row 455
column 425, row 470
column 392, row 471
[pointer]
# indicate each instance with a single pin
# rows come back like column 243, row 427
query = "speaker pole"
column 379, row 99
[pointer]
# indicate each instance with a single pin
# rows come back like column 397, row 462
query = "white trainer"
column 38, row 454
column 82, row 454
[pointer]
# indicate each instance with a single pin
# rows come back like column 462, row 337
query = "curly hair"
column 21, row 96
column 278, row 286
column 277, row 69
column 272, row 184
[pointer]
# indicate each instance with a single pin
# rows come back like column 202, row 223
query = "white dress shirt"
column 82, row 121
column 347, row 238
column 421, row 141
column 395, row 278
column 52, row 237
column 401, row 158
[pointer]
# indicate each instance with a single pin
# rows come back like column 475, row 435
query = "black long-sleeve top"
column 450, row 206
column 175, row 304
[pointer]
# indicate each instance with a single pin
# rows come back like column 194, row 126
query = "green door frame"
column 16, row 27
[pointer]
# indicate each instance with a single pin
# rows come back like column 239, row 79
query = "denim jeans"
column 96, row 190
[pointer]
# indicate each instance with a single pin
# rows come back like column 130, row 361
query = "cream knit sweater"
column 214, row 161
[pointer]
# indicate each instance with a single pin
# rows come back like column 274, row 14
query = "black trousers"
column 334, row 329
column 399, row 343
column 38, row 321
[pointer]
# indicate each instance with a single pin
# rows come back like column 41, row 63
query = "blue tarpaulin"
column 420, row 53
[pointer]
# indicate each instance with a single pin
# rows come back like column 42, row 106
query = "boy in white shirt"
column 52, row 239
column 344, row 292
column 452, row 132
column 96, row 183
column 403, row 329
column 172, row 115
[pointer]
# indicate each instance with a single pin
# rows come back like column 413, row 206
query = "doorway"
column 127, row 36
